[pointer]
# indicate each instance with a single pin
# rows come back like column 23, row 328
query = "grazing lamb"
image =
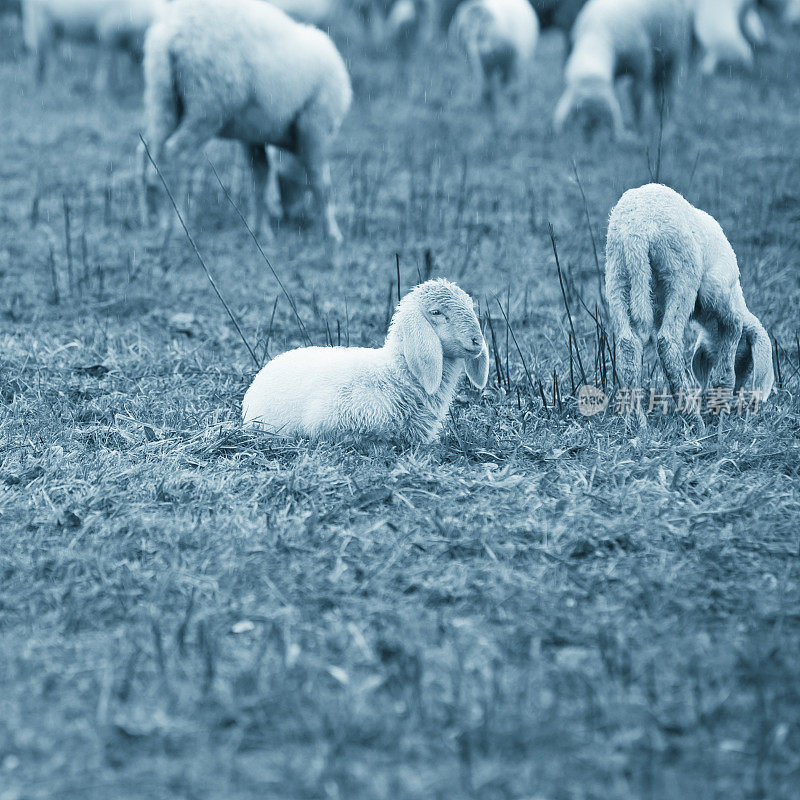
column 669, row 263
column 241, row 69
column 498, row 37
column 114, row 24
column 645, row 39
column 724, row 29
column 400, row 391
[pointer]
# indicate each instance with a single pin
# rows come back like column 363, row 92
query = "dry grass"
column 540, row 606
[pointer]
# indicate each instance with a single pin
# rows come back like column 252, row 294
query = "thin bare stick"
column 591, row 232
column 292, row 305
column 566, row 302
column 516, row 344
column 199, row 257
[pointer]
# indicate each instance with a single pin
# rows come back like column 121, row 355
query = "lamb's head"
column 752, row 367
column 590, row 104
column 436, row 321
column 474, row 27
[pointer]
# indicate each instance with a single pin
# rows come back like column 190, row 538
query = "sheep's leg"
column 642, row 75
column 260, row 170
column 563, row 111
column 669, row 341
column 629, row 344
column 312, row 154
column 729, row 332
column 479, row 76
column 663, row 83
column 149, row 187
column 638, row 101
column 190, row 136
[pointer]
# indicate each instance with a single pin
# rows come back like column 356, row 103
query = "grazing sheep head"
column 436, row 321
column 594, row 110
column 753, row 361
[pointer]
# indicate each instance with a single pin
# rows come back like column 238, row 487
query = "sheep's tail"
column 162, row 100
column 628, row 282
column 760, row 346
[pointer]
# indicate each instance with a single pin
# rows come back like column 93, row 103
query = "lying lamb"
column 499, row 37
column 645, row 39
column 669, row 263
column 400, row 391
column 241, row 69
column 113, row 24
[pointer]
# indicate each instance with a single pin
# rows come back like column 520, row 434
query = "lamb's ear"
column 478, row 368
column 423, row 351
column 756, row 359
column 702, row 360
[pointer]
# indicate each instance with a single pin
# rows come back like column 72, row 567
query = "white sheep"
column 114, row 24
column 669, row 263
column 645, row 39
column 400, row 391
column 498, row 37
column 720, row 26
column 244, row 70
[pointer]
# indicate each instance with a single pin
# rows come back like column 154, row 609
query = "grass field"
column 538, row 607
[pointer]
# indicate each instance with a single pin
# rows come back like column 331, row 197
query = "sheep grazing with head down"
column 400, row 391
column 725, row 30
column 669, row 263
column 244, row 70
column 498, row 37
column 645, row 39
column 115, row 25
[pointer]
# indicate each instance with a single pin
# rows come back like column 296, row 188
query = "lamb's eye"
column 436, row 313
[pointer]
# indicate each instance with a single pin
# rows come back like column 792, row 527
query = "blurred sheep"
column 402, row 23
column 401, row 391
column 552, row 14
column 498, row 37
column 725, row 30
column 645, row 39
column 244, row 70
column 668, row 264
column 116, row 25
